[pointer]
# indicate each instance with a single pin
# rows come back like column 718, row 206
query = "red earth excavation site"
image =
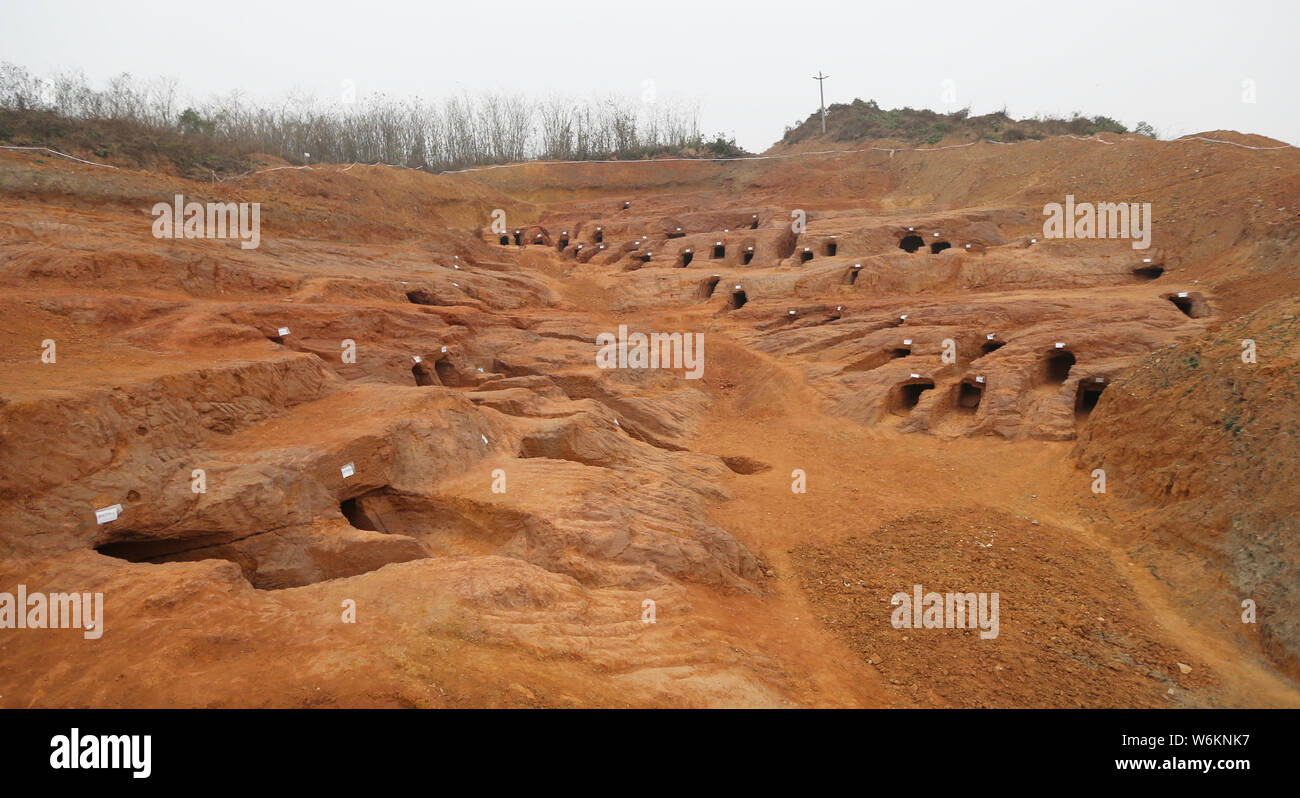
column 901, row 382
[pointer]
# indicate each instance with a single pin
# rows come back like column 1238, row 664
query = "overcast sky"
column 1179, row 65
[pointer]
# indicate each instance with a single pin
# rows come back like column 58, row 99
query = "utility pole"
column 821, row 89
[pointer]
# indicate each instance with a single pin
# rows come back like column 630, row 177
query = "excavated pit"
column 274, row 561
column 422, row 296
column 911, row 243
column 358, row 518
column 422, row 376
column 1056, row 366
column 447, row 374
column 440, row 527
column 1192, row 305
column 158, row 550
column 745, row 465
column 1086, row 397
column 968, row 395
column 905, row 396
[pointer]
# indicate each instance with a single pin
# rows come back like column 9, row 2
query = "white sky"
column 1178, row 65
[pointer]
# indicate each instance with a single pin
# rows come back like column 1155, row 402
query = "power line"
column 819, row 77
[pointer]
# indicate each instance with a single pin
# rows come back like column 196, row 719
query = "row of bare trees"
column 457, row 132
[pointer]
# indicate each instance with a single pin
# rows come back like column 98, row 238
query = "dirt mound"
column 1066, row 630
column 858, row 122
column 1205, row 446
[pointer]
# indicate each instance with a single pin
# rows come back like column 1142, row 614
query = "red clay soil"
column 515, row 508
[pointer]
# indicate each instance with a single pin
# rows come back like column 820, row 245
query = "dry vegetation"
column 860, row 120
column 144, row 123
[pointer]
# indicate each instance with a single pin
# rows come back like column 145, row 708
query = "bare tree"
column 463, row 130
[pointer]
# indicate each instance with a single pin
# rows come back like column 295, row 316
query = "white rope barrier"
column 1235, row 144
column 890, row 150
column 60, row 154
